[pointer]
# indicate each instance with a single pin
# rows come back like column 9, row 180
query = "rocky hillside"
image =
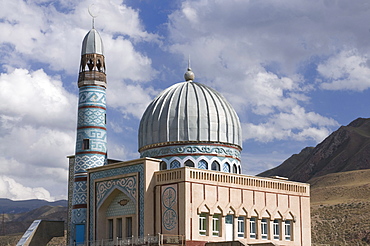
column 13, row 223
column 346, row 149
column 340, row 205
column 338, row 170
column 16, row 207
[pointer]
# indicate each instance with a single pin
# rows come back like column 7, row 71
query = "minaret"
column 91, row 142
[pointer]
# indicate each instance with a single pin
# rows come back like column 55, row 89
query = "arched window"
column 90, row 64
column 189, row 163
column 203, row 164
column 163, row 165
column 240, row 170
column 226, row 168
column 215, row 166
column 174, row 164
column 98, row 65
column 235, row 169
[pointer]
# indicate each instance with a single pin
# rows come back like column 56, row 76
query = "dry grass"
column 12, row 240
column 340, row 206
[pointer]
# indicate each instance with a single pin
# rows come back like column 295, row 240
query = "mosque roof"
column 92, row 43
column 189, row 112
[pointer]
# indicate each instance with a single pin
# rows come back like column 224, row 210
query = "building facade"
column 187, row 187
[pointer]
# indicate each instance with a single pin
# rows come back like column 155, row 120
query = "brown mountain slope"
column 343, row 187
column 340, row 205
column 346, row 149
column 18, row 223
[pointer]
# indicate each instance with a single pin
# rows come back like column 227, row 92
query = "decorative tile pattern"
column 139, row 168
column 98, row 139
column 169, row 209
column 79, row 216
column 191, row 149
column 92, row 95
column 91, row 116
column 175, row 164
column 226, row 168
column 115, row 209
column 91, row 126
column 70, row 196
column 83, row 162
column 126, row 185
column 203, row 161
column 80, row 193
column 203, row 164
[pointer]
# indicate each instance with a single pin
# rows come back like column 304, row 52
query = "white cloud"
column 295, row 125
column 253, row 53
column 35, row 98
column 9, row 188
column 54, row 38
column 37, row 113
column 37, row 127
column 348, row 70
column 124, row 62
column 130, row 99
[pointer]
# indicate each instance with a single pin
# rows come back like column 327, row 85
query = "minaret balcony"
column 92, row 78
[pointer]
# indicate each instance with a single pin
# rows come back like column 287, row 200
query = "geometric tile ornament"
column 226, row 168
column 132, row 187
column 203, row 164
column 191, row 149
column 116, row 209
column 126, row 185
column 175, row 164
column 91, row 125
column 199, row 153
column 79, row 194
column 86, row 161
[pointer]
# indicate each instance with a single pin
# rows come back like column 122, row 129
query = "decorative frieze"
column 191, row 149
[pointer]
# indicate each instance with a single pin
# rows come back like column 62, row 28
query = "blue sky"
column 294, row 71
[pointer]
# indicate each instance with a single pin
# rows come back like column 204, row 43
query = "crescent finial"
column 94, row 12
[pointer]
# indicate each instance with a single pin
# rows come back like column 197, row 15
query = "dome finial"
column 189, row 75
column 94, row 12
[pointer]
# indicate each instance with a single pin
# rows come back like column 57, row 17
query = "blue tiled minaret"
column 91, row 142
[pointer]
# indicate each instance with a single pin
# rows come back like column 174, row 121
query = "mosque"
column 187, row 187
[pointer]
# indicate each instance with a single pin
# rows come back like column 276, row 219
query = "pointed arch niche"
column 117, row 215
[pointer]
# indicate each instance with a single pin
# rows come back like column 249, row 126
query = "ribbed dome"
column 189, row 112
column 92, row 43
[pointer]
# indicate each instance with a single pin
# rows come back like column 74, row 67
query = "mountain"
column 340, row 206
column 18, row 223
column 338, row 170
column 16, row 216
column 8, row 206
column 346, row 149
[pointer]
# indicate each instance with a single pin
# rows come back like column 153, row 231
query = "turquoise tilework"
column 127, row 185
column 92, row 95
column 115, row 209
column 203, row 164
column 175, row 164
column 226, row 168
column 139, row 168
